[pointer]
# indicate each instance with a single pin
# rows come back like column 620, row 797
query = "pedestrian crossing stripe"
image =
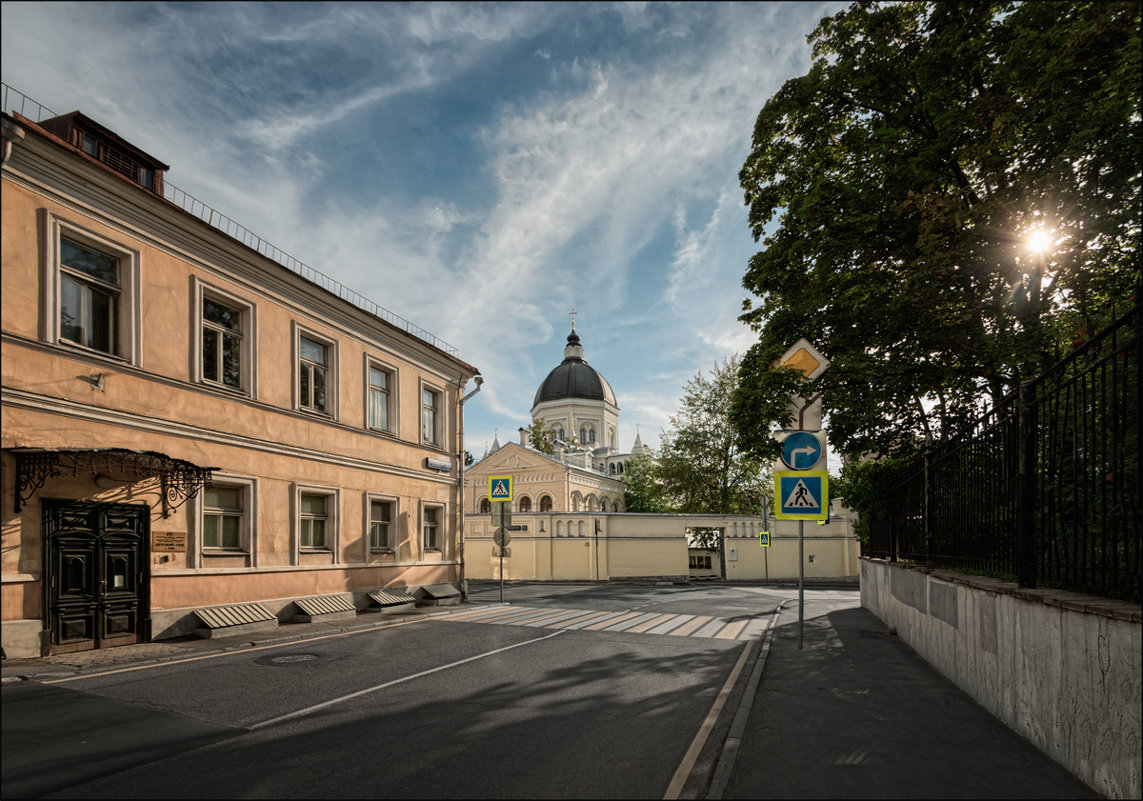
column 801, row 495
column 743, row 627
column 500, row 488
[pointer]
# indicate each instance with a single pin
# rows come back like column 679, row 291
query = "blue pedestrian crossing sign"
column 764, row 539
column 801, row 450
column 499, row 488
column 801, row 495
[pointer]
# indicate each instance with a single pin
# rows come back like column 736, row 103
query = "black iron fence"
column 1045, row 489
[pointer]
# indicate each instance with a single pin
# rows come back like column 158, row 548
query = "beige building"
column 189, row 424
column 568, row 509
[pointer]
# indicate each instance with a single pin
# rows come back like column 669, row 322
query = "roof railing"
column 16, row 101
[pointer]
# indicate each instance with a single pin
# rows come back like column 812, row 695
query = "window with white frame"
column 314, row 525
column 316, row 373
column 225, row 342
column 380, row 381
column 224, row 518
column 431, row 532
column 90, row 295
column 382, row 514
column 430, row 416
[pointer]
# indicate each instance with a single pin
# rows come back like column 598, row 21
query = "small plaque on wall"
column 169, row 541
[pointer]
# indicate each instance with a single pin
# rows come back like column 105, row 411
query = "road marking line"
column 687, row 765
column 596, row 618
column 394, row 682
column 646, row 617
column 643, row 627
column 671, row 625
column 582, row 617
column 732, row 630
column 606, row 624
column 234, row 652
column 685, row 630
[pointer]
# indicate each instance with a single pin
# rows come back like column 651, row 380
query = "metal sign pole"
column 501, row 532
column 801, row 579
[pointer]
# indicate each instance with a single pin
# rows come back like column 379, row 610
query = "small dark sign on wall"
column 169, row 541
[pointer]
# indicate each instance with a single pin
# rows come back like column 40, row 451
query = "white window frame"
column 394, row 521
column 128, row 323
column 331, row 372
column 375, row 364
column 249, row 348
column 441, row 527
column 332, row 518
column 439, row 430
column 249, row 527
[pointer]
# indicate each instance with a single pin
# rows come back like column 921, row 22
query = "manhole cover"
column 287, row 659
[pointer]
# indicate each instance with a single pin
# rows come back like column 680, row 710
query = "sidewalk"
column 63, row 665
column 858, row 714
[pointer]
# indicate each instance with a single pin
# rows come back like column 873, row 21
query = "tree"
column 644, row 492
column 468, row 458
column 701, row 466
column 906, row 171
column 542, row 438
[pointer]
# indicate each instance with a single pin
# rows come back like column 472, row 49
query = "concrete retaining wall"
column 1061, row 669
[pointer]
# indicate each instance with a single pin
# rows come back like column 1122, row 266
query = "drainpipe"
column 460, row 460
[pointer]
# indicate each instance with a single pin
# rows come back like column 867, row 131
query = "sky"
column 478, row 169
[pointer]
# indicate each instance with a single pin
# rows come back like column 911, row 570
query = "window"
column 430, row 416
column 525, row 504
column 430, row 528
column 380, row 382
column 485, row 506
column 89, row 291
column 315, row 373
column 90, row 145
column 222, row 517
column 89, row 297
column 147, row 178
column 221, row 343
column 586, row 435
column 313, row 518
column 700, row 562
column 381, row 525
column 545, row 503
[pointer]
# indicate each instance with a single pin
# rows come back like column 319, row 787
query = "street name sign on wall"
column 801, row 495
column 499, row 488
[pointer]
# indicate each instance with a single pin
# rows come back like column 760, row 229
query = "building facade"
column 187, row 423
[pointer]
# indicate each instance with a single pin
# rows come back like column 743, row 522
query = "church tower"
column 578, row 404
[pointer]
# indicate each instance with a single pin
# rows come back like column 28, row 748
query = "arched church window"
column 560, row 433
column 525, row 504
column 611, row 468
column 545, row 503
column 485, row 506
column 611, row 438
column 603, row 505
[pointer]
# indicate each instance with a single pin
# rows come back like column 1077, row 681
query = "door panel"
column 96, row 596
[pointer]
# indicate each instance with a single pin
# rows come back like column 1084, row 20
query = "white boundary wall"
column 1061, row 669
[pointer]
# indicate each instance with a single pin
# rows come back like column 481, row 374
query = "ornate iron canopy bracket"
column 179, row 480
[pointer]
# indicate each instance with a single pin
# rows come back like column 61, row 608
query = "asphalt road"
column 572, row 691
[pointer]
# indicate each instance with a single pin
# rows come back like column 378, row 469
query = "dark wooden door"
column 97, row 589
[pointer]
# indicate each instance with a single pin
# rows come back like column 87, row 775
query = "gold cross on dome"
column 572, row 313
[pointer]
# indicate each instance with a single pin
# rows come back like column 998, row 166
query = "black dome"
column 574, row 378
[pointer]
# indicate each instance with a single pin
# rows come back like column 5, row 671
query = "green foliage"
column 701, row 465
column 865, row 487
column 468, row 458
column 644, row 493
column 542, row 438
column 893, row 187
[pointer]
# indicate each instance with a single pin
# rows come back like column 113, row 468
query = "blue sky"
column 479, row 169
